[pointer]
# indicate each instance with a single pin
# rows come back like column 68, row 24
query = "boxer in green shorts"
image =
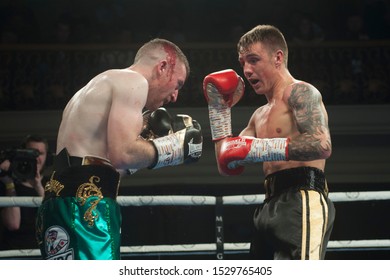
column 100, row 138
column 82, row 193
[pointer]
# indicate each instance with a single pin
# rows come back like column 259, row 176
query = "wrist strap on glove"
column 169, row 150
column 272, row 149
column 261, row 150
column 220, row 121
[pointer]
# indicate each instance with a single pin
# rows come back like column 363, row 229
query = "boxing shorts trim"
column 295, row 178
column 82, row 177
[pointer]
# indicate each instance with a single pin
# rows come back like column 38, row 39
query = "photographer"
column 19, row 222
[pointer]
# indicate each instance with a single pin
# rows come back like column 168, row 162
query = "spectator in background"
column 18, row 23
column 62, row 30
column 173, row 30
column 377, row 18
column 355, row 28
column 306, row 30
column 19, row 222
column 236, row 31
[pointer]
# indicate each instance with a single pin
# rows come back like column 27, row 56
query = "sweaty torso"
column 84, row 126
column 276, row 120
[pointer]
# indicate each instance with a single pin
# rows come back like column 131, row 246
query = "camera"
column 23, row 163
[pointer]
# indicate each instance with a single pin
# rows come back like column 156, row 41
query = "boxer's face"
column 258, row 67
column 175, row 79
column 170, row 80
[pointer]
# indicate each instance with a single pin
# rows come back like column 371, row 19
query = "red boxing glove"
column 238, row 151
column 222, row 90
column 224, row 87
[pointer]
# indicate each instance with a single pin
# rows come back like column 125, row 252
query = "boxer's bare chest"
column 274, row 120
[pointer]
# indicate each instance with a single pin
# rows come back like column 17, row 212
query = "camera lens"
column 24, row 169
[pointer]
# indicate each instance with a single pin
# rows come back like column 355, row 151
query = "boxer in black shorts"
column 296, row 218
column 289, row 136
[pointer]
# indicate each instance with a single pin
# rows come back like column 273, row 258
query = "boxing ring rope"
column 188, row 200
column 198, row 200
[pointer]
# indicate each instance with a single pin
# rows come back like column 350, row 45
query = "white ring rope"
column 206, row 247
column 374, row 243
column 198, row 200
column 183, row 200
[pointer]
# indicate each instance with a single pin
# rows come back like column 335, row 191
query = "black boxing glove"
column 183, row 145
column 193, row 137
column 156, row 124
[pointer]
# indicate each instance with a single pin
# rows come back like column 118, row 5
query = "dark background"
column 129, row 21
column 49, row 49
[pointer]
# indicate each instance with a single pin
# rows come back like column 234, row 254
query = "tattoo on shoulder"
column 305, row 104
column 314, row 140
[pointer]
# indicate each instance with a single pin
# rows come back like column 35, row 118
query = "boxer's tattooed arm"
column 311, row 120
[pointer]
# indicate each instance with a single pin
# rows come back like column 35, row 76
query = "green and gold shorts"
column 79, row 218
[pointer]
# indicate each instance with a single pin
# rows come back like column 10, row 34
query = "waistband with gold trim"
column 295, row 178
column 82, row 177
